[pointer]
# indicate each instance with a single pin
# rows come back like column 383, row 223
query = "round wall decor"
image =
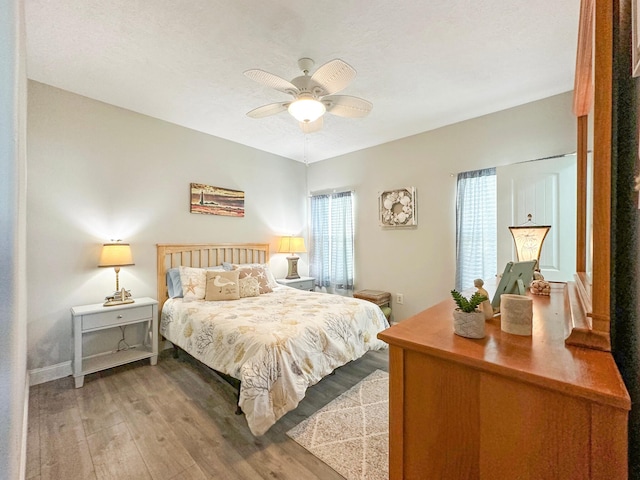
column 397, row 208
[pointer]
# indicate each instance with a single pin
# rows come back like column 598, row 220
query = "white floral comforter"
column 276, row 344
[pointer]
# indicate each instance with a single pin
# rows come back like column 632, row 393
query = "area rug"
column 351, row 434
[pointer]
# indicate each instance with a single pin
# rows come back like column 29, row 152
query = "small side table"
column 302, row 283
column 380, row 298
column 91, row 318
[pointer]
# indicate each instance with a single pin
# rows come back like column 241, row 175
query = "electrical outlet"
column 399, row 298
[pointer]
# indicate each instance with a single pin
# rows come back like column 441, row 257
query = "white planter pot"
column 468, row 324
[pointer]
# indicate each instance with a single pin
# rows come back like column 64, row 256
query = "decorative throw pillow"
column 222, row 285
column 270, row 276
column 256, row 271
column 267, row 271
column 194, row 283
column 249, row 287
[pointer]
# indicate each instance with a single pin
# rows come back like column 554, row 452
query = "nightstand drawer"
column 116, row 317
column 302, row 285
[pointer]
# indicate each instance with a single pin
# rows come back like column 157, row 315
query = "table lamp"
column 292, row 245
column 116, row 255
column 528, row 238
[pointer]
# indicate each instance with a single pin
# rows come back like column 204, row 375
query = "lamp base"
column 293, row 268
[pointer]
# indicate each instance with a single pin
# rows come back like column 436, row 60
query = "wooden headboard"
column 201, row 255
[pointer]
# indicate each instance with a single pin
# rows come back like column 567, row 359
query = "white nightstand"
column 91, row 318
column 302, row 283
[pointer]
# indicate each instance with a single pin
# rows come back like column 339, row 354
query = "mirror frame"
column 590, row 295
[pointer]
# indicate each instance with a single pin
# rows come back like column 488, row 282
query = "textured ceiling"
column 423, row 64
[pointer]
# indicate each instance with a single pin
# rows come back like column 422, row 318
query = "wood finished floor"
column 172, row 421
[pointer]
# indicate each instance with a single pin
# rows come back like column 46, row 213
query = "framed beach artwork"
column 398, row 208
column 210, row 200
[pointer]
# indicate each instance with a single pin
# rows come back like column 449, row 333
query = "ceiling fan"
column 312, row 95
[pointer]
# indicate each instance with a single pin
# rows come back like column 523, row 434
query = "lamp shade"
column 291, row 245
column 306, row 109
column 529, row 238
column 116, row 255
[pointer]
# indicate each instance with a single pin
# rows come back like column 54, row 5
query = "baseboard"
column 25, row 430
column 52, row 372
column 60, row 370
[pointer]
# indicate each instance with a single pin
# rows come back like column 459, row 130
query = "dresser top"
column 542, row 359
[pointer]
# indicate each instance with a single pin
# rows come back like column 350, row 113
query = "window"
column 476, row 227
column 331, row 240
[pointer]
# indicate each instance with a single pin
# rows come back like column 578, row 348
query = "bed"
column 277, row 343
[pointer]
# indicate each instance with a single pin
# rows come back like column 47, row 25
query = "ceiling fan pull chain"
column 306, row 148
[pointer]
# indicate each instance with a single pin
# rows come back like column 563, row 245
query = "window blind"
column 476, row 227
column 331, row 249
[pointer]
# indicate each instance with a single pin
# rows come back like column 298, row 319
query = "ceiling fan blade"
column 266, row 110
column 310, row 127
column 273, row 81
column 347, row 106
column 333, row 76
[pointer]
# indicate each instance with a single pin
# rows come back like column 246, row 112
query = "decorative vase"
column 468, row 324
column 516, row 312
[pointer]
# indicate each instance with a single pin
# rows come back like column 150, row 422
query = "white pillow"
column 271, row 277
column 194, row 283
column 174, row 283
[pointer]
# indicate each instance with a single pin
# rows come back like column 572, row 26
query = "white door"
column 546, row 189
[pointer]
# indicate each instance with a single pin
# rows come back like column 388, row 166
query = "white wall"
column 13, row 332
column 420, row 263
column 98, row 172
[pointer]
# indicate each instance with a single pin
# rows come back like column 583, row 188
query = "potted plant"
column 468, row 319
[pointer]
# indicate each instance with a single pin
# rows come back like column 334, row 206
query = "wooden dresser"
column 505, row 406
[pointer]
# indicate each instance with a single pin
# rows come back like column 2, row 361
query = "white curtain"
column 476, row 227
column 331, row 241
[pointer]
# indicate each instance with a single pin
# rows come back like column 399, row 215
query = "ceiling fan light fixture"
column 307, row 109
column 314, row 95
